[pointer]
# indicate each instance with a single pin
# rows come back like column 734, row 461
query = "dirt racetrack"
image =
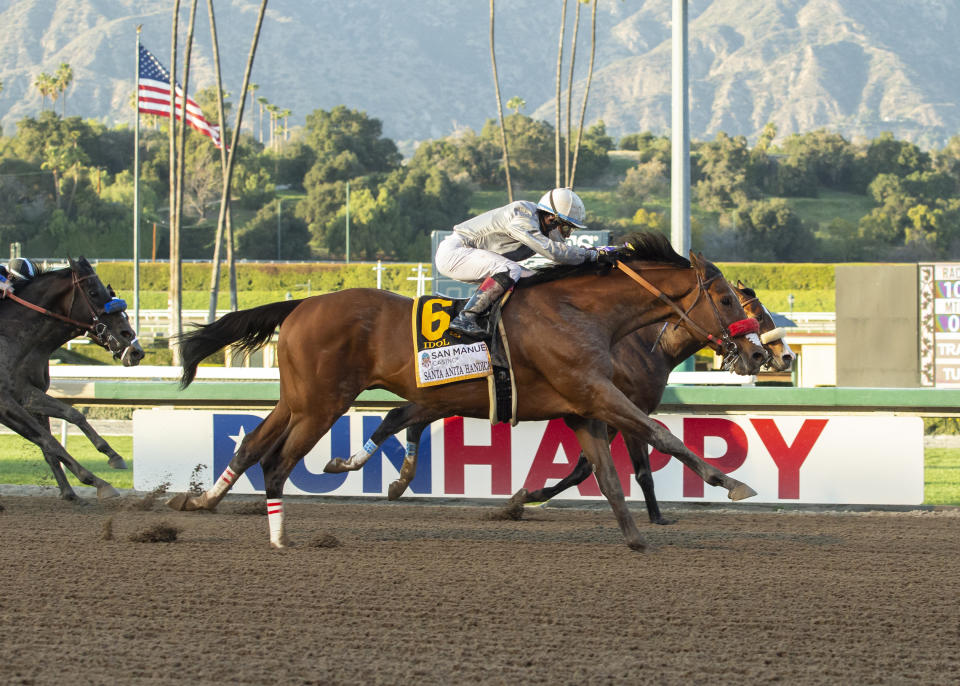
column 440, row 594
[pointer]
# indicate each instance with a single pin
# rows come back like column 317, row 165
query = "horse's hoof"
column 638, row 545
column 117, row 463
column 396, row 489
column 106, row 491
column 183, row 502
column 519, row 498
column 741, row 492
column 336, row 466
column 660, row 521
column 283, row 544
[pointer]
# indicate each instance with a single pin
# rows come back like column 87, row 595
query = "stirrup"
column 465, row 328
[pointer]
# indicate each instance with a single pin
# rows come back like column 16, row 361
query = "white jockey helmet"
column 565, row 204
column 22, row 268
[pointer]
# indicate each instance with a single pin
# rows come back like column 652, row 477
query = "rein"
column 722, row 345
column 96, row 329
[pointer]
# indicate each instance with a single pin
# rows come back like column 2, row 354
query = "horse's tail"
column 247, row 330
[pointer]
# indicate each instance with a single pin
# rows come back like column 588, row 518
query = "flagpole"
column 136, row 193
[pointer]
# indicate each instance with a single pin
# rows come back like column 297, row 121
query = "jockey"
column 5, row 285
column 485, row 250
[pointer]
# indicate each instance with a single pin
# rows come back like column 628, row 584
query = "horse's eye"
column 725, row 301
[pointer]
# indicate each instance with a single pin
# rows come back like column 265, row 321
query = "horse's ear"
column 72, row 263
column 740, row 284
column 696, row 259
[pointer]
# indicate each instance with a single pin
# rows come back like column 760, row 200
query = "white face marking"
column 755, row 339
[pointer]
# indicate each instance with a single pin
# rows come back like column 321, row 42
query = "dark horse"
column 562, row 326
column 642, row 365
column 42, row 315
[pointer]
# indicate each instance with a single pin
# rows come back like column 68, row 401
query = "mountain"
column 858, row 67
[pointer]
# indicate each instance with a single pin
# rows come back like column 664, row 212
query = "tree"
column 771, row 230
column 556, row 126
column 347, row 144
column 285, row 115
column 44, row 84
column 532, row 145
column 516, row 103
column 62, row 80
column 573, row 59
column 586, row 90
column 258, row 239
column 231, row 162
column 263, row 102
column 722, row 170
column 503, row 130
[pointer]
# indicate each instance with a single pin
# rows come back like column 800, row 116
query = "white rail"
column 168, row 373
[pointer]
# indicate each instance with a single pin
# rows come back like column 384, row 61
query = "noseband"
column 725, row 345
column 96, row 329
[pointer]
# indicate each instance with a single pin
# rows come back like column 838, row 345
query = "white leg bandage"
column 275, row 519
column 223, row 484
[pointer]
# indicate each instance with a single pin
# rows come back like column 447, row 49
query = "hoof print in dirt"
column 107, row 531
column 159, row 533
column 257, row 507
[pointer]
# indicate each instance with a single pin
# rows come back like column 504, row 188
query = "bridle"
column 96, row 329
column 725, row 345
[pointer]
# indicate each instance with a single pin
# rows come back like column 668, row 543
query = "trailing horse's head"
column 738, row 340
column 103, row 315
column 781, row 356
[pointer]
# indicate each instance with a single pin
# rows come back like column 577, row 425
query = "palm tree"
column 263, row 102
column 44, row 83
column 503, row 130
column 176, row 270
column 285, row 114
column 586, row 90
column 231, row 153
column 62, row 79
column 273, row 109
column 254, row 87
column 556, row 128
column 516, row 103
column 573, row 58
column 224, row 218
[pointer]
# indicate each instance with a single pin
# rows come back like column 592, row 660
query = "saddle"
column 442, row 359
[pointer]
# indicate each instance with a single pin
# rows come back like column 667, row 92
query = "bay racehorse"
column 562, row 324
column 39, row 317
column 642, row 365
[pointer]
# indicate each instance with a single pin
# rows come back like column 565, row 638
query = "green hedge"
column 262, row 277
column 786, row 276
column 324, row 277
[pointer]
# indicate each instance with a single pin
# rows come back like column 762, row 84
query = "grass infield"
column 21, row 463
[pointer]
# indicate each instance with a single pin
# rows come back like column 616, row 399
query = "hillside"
column 855, row 66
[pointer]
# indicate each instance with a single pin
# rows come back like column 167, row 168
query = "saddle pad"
column 442, row 359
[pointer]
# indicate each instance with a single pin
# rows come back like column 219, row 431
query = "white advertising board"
column 835, row 459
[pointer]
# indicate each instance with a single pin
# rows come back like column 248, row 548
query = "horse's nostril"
column 788, row 358
column 758, row 356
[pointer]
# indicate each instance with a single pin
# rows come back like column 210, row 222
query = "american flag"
column 154, row 97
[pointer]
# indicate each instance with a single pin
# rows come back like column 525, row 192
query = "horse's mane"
column 641, row 245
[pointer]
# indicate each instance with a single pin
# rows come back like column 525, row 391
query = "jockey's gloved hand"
column 606, row 254
column 5, row 285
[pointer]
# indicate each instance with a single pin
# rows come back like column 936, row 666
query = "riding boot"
column 467, row 323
